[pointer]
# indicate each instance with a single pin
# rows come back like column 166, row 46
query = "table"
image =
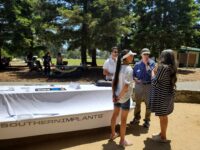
column 46, row 109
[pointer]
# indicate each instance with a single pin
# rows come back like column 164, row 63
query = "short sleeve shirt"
column 125, row 77
column 141, row 73
column 110, row 65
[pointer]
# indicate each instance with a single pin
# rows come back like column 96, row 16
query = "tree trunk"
column 83, row 55
column 84, row 36
column 1, row 45
column 94, row 62
column 0, row 59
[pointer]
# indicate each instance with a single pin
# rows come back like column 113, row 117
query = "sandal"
column 125, row 143
column 158, row 138
column 114, row 137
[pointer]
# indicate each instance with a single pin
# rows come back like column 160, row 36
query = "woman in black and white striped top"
column 163, row 90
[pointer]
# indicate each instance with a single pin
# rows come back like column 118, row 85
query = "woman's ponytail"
column 118, row 67
column 116, row 77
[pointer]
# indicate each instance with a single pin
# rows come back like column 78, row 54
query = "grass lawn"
column 77, row 62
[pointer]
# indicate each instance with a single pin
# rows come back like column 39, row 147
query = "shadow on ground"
column 136, row 130
column 112, row 145
column 11, row 69
column 56, row 141
column 88, row 75
column 68, row 140
column 152, row 145
column 185, row 71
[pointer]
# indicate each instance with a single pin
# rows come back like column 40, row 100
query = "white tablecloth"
column 23, row 102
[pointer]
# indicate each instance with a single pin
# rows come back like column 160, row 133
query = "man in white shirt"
column 110, row 64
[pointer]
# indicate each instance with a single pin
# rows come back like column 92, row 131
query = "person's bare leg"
column 113, row 120
column 124, row 116
column 163, row 126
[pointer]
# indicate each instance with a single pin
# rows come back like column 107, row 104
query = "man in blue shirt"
column 142, row 76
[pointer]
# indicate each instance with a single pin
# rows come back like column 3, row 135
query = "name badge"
column 138, row 70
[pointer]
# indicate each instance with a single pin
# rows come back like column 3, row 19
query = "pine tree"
column 164, row 24
column 28, row 26
column 95, row 24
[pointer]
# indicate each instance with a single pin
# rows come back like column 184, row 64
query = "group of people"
column 47, row 62
column 154, row 84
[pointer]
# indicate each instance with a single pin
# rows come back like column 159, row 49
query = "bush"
column 5, row 53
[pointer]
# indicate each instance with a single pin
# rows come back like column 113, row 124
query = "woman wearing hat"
column 122, row 90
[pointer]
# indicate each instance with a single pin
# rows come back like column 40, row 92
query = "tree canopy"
column 88, row 25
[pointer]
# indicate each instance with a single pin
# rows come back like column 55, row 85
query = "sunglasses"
column 115, row 52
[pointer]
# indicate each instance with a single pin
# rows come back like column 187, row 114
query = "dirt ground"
column 22, row 74
column 183, row 131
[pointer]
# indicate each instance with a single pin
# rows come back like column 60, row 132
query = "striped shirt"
column 162, row 94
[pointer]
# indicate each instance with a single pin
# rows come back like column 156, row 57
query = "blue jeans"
column 124, row 106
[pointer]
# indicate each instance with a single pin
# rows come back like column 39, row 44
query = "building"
column 189, row 57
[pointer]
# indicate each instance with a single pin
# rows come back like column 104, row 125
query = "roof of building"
column 193, row 49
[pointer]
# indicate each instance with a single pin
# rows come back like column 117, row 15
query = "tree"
column 29, row 26
column 93, row 24
column 112, row 22
column 6, row 22
column 164, row 24
column 197, row 28
column 88, row 25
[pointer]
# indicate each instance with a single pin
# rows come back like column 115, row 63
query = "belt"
column 109, row 80
column 146, row 83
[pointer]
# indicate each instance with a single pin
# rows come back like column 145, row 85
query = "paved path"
column 189, row 85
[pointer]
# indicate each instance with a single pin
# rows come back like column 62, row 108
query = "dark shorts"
column 124, row 106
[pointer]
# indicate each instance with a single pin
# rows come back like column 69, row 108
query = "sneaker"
column 135, row 121
column 125, row 143
column 146, row 124
column 158, row 138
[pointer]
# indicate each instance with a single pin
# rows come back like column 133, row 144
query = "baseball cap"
column 145, row 51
